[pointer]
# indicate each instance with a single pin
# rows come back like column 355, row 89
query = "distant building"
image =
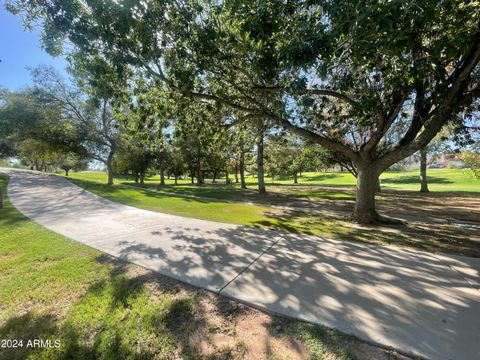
column 446, row 159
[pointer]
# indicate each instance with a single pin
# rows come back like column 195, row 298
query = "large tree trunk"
column 295, row 178
column 176, row 179
column 236, row 173
column 110, row 156
column 199, row 175
column 227, row 176
column 214, row 177
column 241, row 165
column 162, row 170
column 367, row 180
column 66, row 172
column 423, row 171
column 260, row 170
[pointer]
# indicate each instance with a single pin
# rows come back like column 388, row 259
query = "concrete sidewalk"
column 417, row 302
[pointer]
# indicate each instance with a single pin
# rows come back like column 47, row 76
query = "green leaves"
column 263, row 58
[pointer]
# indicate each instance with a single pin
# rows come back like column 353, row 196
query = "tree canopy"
column 370, row 81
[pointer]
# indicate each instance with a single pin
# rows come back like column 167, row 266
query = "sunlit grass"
column 197, row 208
column 453, row 239
column 440, row 180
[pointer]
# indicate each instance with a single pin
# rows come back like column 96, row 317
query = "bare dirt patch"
column 410, row 205
column 218, row 328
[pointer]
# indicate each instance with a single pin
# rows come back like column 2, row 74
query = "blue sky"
column 20, row 49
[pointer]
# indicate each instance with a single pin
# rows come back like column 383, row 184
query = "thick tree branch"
column 386, row 121
column 324, row 92
column 196, row 95
column 419, row 112
column 437, row 117
column 229, row 103
column 242, row 119
column 316, row 138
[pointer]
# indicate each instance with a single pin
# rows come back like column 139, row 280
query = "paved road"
column 420, row 303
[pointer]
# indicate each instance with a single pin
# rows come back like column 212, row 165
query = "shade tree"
column 90, row 104
column 198, row 131
column 147, row 120
column 337, row 73
column 177, row 164
column 23, row 115
column 242, row 144
column 40, row 133
column 68, row 161
column 107, row 92
column 133, row 159
column 36, row 154
column 290, row 155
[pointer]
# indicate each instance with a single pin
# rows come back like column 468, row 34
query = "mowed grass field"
column 332, row 186
column 440, row 180
column 320, row 210
column 99, row 307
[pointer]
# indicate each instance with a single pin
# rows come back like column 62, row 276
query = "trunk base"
column 376, row 218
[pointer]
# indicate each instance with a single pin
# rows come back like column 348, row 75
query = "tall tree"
column 243, row 139
column 91, row 104
column 147, row 121
column 198, row 127
column 107, row 93
column 133, row 158
column 177, row 163
column 38, row 130
column 423, row 170
column 338, row 73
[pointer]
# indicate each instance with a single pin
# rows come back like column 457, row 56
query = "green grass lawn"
column 199, row 208
column 53, row 288
column 440, row 180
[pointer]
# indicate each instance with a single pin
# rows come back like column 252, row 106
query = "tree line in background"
column 198, row 86
column 56, row 125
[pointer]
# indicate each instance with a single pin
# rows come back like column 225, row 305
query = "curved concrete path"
column 417, row 302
